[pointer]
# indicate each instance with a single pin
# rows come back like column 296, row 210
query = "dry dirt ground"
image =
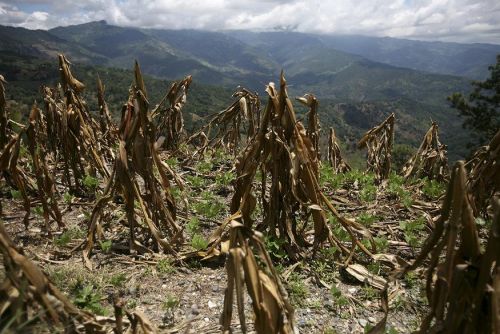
column 187, row 296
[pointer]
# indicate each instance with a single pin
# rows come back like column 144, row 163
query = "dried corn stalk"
column 107, row 127
column 73, row 134
column 273, row 312
column 461, row 278
column 26, row 288
column 170, row 120
column 337, row 162
column 28, row 296
column 3, row 114
column 379, row 141
column 284, row 154
column 224, row 128
column 137, row 155
column 484, row 176
column 44, row 179
column 14, row 174
column 313, row 127
column 430, row 160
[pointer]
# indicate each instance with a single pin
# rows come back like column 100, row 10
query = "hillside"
column 252, row 60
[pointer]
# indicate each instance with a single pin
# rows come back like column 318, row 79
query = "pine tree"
column 481, row 109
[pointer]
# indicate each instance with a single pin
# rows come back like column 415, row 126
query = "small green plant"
column 411, row 230
column 368, row 193
column 193, row 225
column 131, row 304
column 170, row 302
column 172, row 162
column 204, row 166
column 381, row 243
column 106, row 245
column 195, row 181
column 297, row 289
column 368, row 293
column 118, row 280
column 66, row 237
column 198, row 242
column 210, row 206
column 90, row 182
column 432, row 188
column 164, row 266
column 275, row 247
column 224, row 179
column 89, row 298
column 367, row 219
column 68, row 198
column 16, row 194
column 338, row 298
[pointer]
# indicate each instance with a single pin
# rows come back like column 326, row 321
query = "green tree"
column 481, row 109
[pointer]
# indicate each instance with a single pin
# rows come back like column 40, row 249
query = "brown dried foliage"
column 378, row 142
column 28, row 297
column 137, row 156
column 3, row 114
column 430, row 160
column 108, row 131
column 484, row 177
column 462, row 280
column 313, row 127
column 73, row 135
column 169, row 119
column 47, row 193
column 284, row 154
column 224, row 129
column 334, row 156
column 273, row 312
column 14, row 173
column 26, row 287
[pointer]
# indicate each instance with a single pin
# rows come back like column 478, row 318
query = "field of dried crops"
column 247, row 225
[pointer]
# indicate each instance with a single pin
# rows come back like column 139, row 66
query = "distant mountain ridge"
column 320, row 64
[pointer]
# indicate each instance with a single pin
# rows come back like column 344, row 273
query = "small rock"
column 163, row 286
column 206, row 319
column 194, row 309
column 362, row 322
column 215, row 288
column 352, row 290
column 372, row 320
column 211, row 304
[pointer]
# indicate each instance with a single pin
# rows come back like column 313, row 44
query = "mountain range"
column 359, row 80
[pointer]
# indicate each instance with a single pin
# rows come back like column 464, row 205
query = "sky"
column 467, row 21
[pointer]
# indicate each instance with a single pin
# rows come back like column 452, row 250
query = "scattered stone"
column 211, row 304
column 194, row 309
column 362, row 322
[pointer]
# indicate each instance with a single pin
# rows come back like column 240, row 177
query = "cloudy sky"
column 446, row 20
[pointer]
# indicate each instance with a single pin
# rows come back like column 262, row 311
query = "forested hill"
column 355, row 92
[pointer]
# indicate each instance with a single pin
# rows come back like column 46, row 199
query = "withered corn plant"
column 73, row 135
column 484, row 176
column 4, row 118
column 462, row 280
column 28, row 299
column 334, row 155
column 46, row 190
column 137, row 156
column 14, row 174
column 273, row 312
column 313, row 127
column 168, row 118
column 108, row 131
column 27, row 296
column 290, row 193
column 430, row 160
column 224, row 129
column 378, row 142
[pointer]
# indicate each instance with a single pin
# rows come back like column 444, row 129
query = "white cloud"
column 450, row 20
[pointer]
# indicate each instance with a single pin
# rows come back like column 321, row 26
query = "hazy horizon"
column 461, row 21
